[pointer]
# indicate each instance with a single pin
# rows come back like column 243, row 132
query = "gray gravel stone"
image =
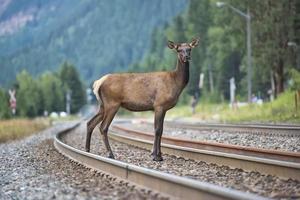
column 33, row 169
column 266, row 141
column 254, row 182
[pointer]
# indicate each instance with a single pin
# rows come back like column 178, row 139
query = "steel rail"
column 215, row 146
column 173, row 185
column 291, row 130
column 242, row 157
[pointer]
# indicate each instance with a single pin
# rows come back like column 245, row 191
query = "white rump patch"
column 97, row 84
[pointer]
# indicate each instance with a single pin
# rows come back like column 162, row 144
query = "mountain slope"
column 97, row 36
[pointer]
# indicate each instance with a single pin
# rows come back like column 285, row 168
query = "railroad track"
column 280, row 129
column 173, row 185
column 279, row 163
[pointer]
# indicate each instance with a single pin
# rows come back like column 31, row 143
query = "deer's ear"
column 172, row 45
column 194, row 42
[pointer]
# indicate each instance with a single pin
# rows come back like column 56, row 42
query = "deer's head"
column 183, row 49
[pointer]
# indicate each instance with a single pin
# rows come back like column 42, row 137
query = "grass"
column 64, row 119
column 19, row 128
column 281, row 110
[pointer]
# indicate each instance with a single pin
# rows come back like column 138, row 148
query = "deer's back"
column 141, row 91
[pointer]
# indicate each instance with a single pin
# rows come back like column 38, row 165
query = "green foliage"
column 280, row 110
column 295, row 78
column 71, row 82
column 222, row 49
column 273, row 24
column 93, row 37
column 4, row 105
column 224, row 52
column 190, row 24
column 52, row 91
column 97, row 36
column 45, row 93
column 28, row 95
column 14, row 129
column 198, row 20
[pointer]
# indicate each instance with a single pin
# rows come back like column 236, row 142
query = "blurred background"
column 246, row 67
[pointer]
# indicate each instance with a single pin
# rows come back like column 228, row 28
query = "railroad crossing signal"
column 12, row 101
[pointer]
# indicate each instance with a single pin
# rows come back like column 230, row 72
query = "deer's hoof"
column 111, row 156
column 157, row 158
column 87, row 149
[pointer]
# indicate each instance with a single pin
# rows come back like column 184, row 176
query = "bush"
column 295, row 76
column 4, row 105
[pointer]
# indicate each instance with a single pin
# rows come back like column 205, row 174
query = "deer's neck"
column 182, row 73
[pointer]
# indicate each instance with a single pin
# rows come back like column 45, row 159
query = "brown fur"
column 141, row 91
column 157, row 91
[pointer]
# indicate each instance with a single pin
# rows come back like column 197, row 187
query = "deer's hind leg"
column 91, row 124
column 109, row 114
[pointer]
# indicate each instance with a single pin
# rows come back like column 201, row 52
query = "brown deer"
column 157, row 91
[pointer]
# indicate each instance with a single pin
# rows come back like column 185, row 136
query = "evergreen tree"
column 28, row 95
column 112, row 35
column 71, row 82
column 222, row 48
column 52, row 92
column 273, row 28
column 5, row 111
column 198, row 21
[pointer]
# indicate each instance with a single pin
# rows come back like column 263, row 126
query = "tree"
column 112, row 35
column 273, row 27
column 198, row 20
column 222, row 48
column 28, row 95
column 71, row 82
column 224, row 56
column 52, row 92
column 4, row 105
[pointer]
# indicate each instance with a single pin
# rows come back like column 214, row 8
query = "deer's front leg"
column 158, row 127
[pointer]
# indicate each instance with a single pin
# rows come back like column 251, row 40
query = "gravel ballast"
column 254, row 182
column 33, row 169
column 266, row 141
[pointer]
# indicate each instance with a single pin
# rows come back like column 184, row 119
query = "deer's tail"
column 97, row 84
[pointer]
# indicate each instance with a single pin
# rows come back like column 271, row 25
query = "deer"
column 152, row 91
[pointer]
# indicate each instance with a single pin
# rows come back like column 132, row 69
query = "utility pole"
column 68, row 102
column 247, row 16
column 210, row 75
column 249, row 58
column 232, row 89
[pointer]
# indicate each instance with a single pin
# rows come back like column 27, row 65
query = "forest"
column 100, row 37
column 46, row 93
column 96, row 36
column 222, row 53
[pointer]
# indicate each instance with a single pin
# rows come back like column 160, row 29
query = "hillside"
column 97, row 36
